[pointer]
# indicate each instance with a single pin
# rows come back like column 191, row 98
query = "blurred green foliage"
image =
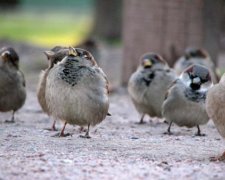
column 47, row 22
column 62, row 4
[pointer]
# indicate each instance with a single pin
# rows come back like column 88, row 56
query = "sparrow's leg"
column 87, row 133
column 168, row 130
column 53, row 128
column 199, row 132
column 82, row 129
column 141, row 120
column 12, row 118
column 219, row 158
column 62, row 134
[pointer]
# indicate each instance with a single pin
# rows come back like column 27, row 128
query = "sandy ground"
column 118, row 149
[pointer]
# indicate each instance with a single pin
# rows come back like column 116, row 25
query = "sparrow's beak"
column 147, row 63
column 72, row 51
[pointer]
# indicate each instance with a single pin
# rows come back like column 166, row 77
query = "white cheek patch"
column 185, row 78
column 196, row 80
column 5, row 53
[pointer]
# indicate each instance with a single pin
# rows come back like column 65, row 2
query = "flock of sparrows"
column 74, row 89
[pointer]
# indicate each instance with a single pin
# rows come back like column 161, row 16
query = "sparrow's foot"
column 64, row 134
column 51, row 129
column 9, row 121
column 140, row 122
column 82, row 129
column 218, row 158
column 53, row 126
column 168, row 133
column 199, row 132
column 165, row 122
column 85, row 136
column 61, row 134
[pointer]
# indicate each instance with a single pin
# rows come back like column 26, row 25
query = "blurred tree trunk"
column 222, row 35
column 9, row 3
column 108, row 19
column 212, row 21
column 168, row 27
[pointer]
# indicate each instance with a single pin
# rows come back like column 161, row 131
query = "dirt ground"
column 118, row 149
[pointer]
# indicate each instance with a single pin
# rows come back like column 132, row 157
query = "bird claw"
column 140, row 122
column 218, row 158
column 165, row 122
column 168, row 133
column 61, row 135
column 200, row 134
column 51, row 129
column 82, row 129
column 9, row 121
column 85, row 136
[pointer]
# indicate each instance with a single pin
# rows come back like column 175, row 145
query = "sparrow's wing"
column 22, row 78
column 170, row 86
column 101, row 73
column 8, row 80
column 214, row 71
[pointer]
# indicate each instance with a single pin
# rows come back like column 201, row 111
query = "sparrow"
column 196, row 56
column 77, row 90
column 12, row 82
column 148, row 85
column 55, row 55
column 184, row 103
column 215, row 105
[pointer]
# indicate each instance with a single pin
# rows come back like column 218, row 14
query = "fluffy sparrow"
column 196, row 56
column 12, row 82
column 184, row 103
column 77, row 90
column 55, row 55
column 148, row 85
column 215, row 105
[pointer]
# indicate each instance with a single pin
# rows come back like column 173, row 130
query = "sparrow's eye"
column 191, row 76
column 192, row 54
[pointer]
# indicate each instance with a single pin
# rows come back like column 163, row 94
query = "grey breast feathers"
column 195, row 96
